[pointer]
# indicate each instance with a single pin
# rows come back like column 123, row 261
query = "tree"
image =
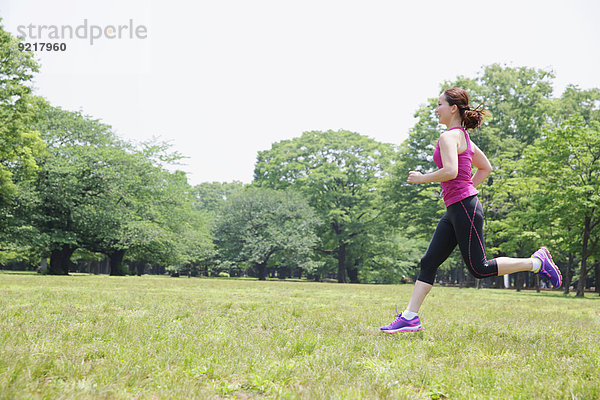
column 19, row 142
column 210, row 195
column 168, row 229
column 519, row 100
column 575, row 101
column 520, row 196
column 69, row 182
column 340, row 173
column 566, row 162
column 518, row 233
column 256, row 223
column 101, row 194
column 391, row 260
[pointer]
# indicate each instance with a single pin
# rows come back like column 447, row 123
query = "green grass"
column 157, row 337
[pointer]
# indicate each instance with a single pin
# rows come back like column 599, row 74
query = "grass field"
column 156, row 337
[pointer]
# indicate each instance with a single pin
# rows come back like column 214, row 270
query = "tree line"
column 324, row 205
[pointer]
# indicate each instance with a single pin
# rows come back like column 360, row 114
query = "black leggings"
column 463, row 225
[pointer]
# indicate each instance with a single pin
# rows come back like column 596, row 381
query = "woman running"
column 463, row 222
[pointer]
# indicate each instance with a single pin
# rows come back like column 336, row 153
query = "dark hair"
column 470, row 117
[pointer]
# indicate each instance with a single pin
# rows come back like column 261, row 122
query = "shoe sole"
column 407, row 329
column 545, row 250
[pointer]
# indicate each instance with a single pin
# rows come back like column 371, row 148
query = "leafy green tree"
column 19, row 142
column 257, row 223
column 519, row 99
column 101, row 194
column 168, row 228
column 144, row 210
column 585, row 103
column 518, row 233
column 340, row 173
column 517, row 195
column 566, row 163
column 575, row 101
column 69, row 181
column 93, row 191
column 209, row 196
column 392, row 260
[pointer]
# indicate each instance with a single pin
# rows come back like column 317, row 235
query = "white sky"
column 224, row 79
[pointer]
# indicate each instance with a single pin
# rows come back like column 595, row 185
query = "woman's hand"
column 415, row 177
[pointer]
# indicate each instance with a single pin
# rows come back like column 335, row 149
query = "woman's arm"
column 483, row 165
column 449, row 151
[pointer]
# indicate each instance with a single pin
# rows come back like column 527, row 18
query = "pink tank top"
column 460, row 187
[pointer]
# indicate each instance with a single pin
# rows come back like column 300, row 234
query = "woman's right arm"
column 483, row 165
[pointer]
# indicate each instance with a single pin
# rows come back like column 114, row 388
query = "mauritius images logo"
column 86, row 31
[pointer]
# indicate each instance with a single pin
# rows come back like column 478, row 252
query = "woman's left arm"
column 449, row 153
column 483, row 165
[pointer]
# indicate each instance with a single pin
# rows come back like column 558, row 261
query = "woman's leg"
column 507, row 265
column 419, row 293
column 467, row 218
column 441, row 246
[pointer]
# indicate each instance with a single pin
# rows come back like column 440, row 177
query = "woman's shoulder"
column 457, row 130
column 451, row 135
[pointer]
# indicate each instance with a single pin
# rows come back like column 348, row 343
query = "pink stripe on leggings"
column 472, row 220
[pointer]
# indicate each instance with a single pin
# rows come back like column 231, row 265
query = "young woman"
column 463, row 222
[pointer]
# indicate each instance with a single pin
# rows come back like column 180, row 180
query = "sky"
column 222, row 80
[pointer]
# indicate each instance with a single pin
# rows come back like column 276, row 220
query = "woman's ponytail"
column 471, row 117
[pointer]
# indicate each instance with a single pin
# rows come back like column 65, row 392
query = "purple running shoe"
column 402, row 324
column 548, row 268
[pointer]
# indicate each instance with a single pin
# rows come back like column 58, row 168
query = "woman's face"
column 444, row 110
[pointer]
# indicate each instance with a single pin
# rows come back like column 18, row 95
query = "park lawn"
column 158, row 337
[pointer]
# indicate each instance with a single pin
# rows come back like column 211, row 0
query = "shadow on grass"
column 9, row 272
column 548, row 293
column 405, row 336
